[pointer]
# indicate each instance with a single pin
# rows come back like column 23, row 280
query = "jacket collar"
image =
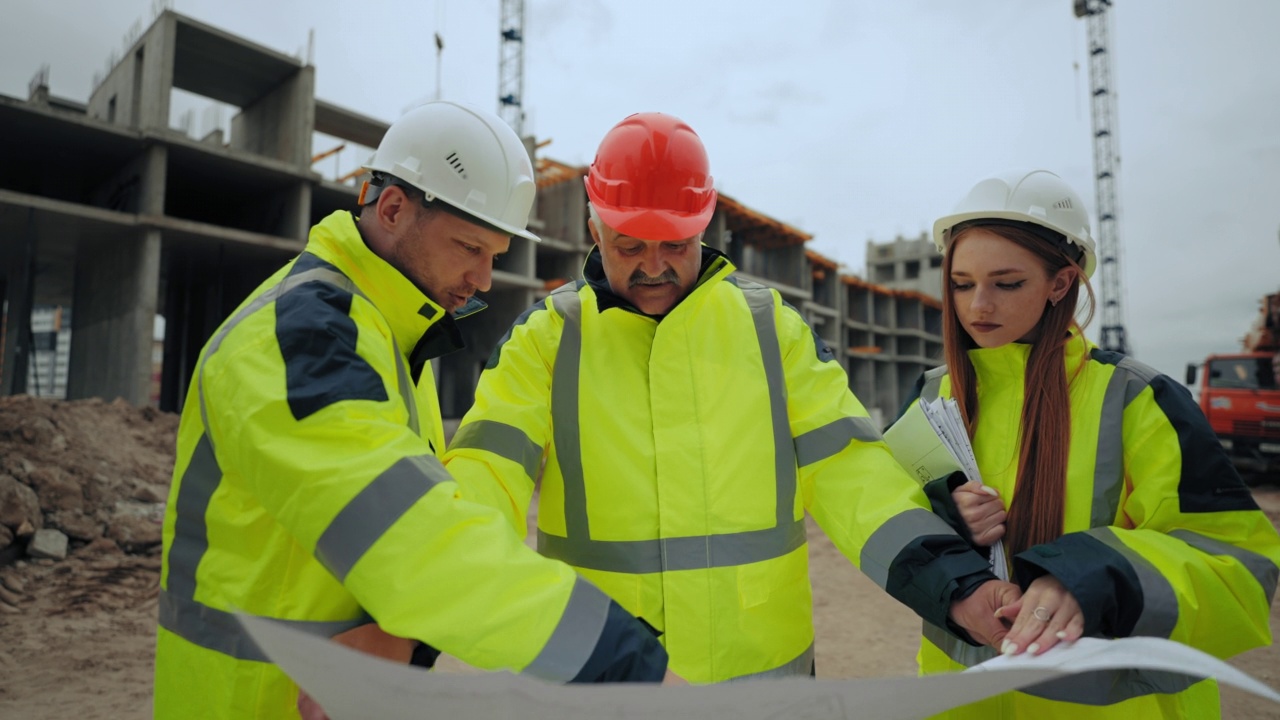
column 421, row 327
column 715, row 266
column 1009, row 362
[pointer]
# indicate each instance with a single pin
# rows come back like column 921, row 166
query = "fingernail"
column 998, row 611
column 1062, row 634
column 990, row 491
column 1033, row 647
column 1008, row 648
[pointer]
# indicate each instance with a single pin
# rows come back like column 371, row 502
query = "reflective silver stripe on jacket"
column 824, row 442
column 683, row 553
column 1258, row 565
column 575, row 636
column 1128, row 379
column 373, row 511
column 219, row 631
column 888, row 541
column 504, row 440
column 208, row 627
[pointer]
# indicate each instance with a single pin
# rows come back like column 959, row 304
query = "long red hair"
column 1036, row 513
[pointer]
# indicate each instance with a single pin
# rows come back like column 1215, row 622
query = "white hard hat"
column 1038, row 197
column 465, row 157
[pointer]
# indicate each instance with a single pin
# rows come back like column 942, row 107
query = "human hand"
column 367, row 638
column 310, row 709
column 978, row 613
column 671, row 679
column 982, row 510
column 1046, row 615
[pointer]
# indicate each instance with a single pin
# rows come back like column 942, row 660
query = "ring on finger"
column 1042, row 614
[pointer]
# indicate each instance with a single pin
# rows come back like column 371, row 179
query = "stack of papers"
column 930, row 441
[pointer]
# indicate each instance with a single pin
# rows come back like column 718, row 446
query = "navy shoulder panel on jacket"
column 317, row 338
column 1209, row 481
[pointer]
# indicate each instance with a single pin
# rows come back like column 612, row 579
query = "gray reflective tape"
column 1108, row 472
column 406, row 389
column 190, row 528
column 219, row 631
column 1260, row 566
column 1128, row 379
column 564, row 412
column 958, row 650
column 760, row 300
column 501, row 439
column 1108, row 687
column 802, row 665
column 671, row 554
column 933, row 383
column 826, row 441
column 1159, row 603
column 575, row 636
column 891, row 538
column 374, row 510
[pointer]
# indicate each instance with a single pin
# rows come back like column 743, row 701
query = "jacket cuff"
column 944, row 506
column 1095, row 575
column 627, row 651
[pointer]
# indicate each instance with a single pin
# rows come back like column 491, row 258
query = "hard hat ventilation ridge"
column 1064, row 204
column 455, row 162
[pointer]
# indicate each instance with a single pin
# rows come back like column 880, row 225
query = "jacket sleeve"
column 1190, row 556
column 497, row 453
column 345, row 477
column 872, row 510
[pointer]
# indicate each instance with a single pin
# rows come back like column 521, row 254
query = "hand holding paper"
column 931, row 441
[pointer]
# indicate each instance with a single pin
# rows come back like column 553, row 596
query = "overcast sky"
column 850, row 119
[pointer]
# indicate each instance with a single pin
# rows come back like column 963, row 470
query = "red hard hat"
column 651, row 180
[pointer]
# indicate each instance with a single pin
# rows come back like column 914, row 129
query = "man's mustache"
column 639, row 278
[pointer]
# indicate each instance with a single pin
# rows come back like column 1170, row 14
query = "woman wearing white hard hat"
column 1118, row 510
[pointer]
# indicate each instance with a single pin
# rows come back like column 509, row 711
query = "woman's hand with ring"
column 1046, row 615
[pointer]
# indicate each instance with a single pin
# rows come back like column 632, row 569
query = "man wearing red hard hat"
column 688, row 418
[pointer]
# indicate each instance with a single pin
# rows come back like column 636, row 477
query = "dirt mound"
column 91, row 471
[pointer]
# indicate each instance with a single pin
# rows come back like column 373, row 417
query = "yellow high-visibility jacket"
column 680, row 456
column 1161, row 537
column 307, row 488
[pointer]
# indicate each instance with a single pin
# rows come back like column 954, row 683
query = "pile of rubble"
column 84, row 477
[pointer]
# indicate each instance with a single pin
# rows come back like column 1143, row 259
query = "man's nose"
column 480, row 276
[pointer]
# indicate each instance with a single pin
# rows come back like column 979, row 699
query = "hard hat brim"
column 657, row 225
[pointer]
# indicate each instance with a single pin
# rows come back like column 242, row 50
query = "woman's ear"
column 1062, row 282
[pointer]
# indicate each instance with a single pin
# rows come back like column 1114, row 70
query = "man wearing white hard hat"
column 308, row 487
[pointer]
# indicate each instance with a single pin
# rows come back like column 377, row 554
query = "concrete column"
column 279, row 125
column 116, row 284
column 17, row 271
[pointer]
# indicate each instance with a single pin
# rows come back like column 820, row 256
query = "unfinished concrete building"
column 906, row 264
column 107, row 210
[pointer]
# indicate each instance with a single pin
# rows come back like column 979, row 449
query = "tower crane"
column 511, row 65
column 1096, row 15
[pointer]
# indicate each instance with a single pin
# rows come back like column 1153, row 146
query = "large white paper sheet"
column 1148, row 653
column 351, row 685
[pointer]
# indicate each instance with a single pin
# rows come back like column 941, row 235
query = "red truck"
column 1239, row 395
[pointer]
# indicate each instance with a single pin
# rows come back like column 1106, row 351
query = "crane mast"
column 1097, row 17
column 511, row 65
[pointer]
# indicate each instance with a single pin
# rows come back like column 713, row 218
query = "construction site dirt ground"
column 78, row 637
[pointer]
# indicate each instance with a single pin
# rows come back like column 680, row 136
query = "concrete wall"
column 278, row 125
column 116, row 286
column 136, row 91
